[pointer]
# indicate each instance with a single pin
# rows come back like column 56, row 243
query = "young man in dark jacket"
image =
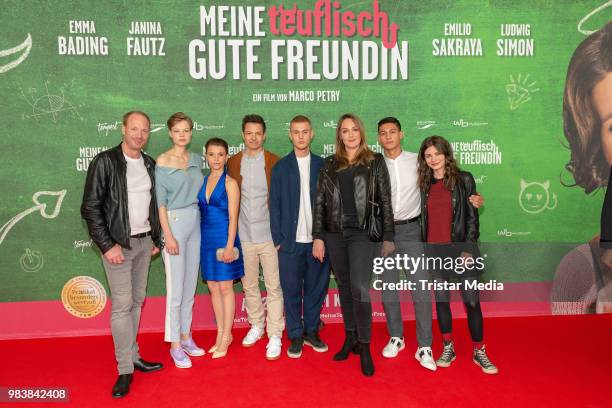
column 303, row 278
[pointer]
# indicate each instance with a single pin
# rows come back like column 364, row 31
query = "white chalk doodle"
column 588, row 16
column 519, row 91
column 49, row 104
column 31, row 261
column 25, row 46
column 535, row 197
column 39, row 207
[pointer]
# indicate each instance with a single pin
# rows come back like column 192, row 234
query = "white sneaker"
column 393, row 347
column 425, row 357
column 254, row 334
column 273, row 349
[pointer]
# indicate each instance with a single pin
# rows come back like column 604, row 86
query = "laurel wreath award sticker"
column 84, row 297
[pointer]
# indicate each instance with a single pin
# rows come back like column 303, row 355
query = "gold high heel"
column 214, row 347
column 226, row 341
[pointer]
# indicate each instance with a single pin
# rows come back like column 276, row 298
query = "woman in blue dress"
column 219, row 201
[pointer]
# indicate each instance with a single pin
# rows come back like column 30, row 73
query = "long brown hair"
column 364, row 154
column 591, row 62
column 451, row 170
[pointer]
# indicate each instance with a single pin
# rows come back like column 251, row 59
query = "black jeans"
column 351, row 254
column 470, row 297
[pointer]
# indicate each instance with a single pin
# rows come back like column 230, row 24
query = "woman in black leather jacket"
column 341, row 218
column 450, row 229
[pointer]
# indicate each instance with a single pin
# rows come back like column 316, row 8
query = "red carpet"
column 543, row 361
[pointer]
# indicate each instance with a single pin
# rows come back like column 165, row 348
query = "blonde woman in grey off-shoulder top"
column 178, row 180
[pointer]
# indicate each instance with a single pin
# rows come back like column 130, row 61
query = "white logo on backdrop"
column 464, row 123
column 506, row 233
column 425, row 124
column 82, row 244
column 156, row 127
column 105, row 127
column 480, row 179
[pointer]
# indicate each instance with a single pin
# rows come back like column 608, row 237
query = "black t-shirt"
column 347, row 192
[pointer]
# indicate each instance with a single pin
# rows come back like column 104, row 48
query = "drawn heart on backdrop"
column 43, row 206
column 40, row 207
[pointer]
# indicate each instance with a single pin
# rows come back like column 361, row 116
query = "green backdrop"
column 58, row 109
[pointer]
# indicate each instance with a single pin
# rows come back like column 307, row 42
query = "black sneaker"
column 313, row 340
column 482, row 360
column 448, row 355
column 295, row 349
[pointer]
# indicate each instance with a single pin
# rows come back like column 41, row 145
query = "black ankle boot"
column 367, row 365
column 350, row 345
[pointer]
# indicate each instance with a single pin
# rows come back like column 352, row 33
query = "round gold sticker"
column 84, row 297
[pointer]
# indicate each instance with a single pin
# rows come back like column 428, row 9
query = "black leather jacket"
column 327, row 214
column 465, row 225
column 105, row 203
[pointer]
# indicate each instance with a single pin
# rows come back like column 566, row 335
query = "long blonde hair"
column 364, row 154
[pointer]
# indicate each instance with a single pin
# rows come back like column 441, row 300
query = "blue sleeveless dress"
column 214, row 227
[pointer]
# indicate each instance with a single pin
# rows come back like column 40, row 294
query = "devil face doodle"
column 535, row 197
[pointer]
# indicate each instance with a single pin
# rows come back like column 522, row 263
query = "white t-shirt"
column 405, row 194
column 303, row 233
column 139, row 195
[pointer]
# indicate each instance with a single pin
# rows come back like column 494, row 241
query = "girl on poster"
column 583, row 280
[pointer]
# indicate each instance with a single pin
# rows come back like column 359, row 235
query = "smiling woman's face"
column 602, row 100
column 350, row 134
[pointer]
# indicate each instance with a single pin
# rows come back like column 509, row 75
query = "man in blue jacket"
column 303, row 278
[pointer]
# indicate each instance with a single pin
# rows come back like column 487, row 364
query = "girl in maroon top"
column 451, row 229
